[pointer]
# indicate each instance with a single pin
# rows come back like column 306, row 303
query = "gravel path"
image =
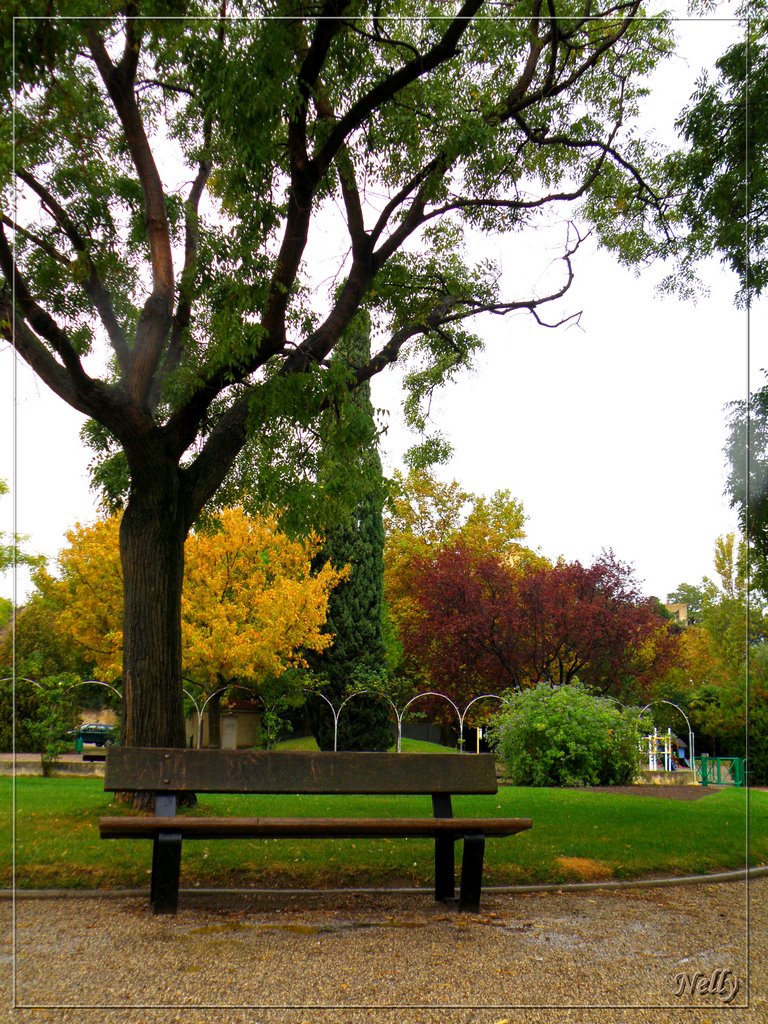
column 613, row 956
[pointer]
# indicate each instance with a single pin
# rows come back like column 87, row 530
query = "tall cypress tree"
column 358, row 654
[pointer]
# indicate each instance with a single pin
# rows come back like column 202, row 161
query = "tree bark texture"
column 152, row 536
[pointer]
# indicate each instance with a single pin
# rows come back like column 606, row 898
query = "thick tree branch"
column 183, row 314
column 155, row 319
column 205, row 475
column 294, row 242
column 66, row 379
column 304, row 177
column 37, row 356
column 42, row 323
column 361, row 246
column 328, row 26
column 99, row 295
column 317, row 345
column 186, row 295
column 413, row 219
column 129, row 62
column 535, row 47
column 358, row 113
column 348, row 183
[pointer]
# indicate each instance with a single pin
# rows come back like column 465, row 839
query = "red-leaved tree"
column 482, row 624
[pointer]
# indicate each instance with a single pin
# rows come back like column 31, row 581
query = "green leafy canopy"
column 215, row 197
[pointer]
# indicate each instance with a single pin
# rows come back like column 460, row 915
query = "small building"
column 679, row 613
column 240, row 728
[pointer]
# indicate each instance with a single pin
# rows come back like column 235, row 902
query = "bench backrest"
column 142, row 769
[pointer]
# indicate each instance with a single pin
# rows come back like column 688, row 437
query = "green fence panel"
column 720, row 771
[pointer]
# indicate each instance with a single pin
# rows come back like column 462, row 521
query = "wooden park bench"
column 173, row 772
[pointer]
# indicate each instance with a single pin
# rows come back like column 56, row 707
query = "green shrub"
column 27, row 706
column 758, row 742
column 566, row 736
column 44, row 713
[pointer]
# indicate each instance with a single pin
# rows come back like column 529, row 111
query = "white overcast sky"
column 609, row 432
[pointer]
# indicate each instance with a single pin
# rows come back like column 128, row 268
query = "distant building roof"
column 679, row 613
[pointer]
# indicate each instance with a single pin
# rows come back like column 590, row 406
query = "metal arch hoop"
column 483, row 696
column 72, row 686
column 399, row 715
column 336, row 712
column 24, row 679
column 200, row 710
column 98, row 682
column 461, row 715
column 428, row 693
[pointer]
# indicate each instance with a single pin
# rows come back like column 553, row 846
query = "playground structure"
column 661, row 746
column 665, row 752
column 668, row 758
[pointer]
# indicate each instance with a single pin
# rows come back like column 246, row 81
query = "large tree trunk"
column 152, row 536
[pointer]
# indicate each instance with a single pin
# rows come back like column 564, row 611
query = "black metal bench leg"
column 471, row 872
column 444, row 880
column 166, row 867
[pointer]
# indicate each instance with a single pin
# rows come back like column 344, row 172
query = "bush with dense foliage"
column 44, row 712
column 566, row 736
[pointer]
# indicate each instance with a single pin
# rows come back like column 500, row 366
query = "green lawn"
column 576, row 834
column 407, row 746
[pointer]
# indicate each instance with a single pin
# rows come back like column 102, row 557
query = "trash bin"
column 78, row 744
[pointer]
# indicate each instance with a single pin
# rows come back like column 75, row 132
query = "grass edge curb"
column 645, row 883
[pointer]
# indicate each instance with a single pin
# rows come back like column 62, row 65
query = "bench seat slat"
column 130, row 827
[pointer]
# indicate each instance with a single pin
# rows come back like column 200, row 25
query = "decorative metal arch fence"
column 200, row 706
column 400, row 714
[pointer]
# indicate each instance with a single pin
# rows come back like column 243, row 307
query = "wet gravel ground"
column 603, row 956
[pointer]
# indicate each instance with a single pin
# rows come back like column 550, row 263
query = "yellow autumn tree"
column 250, row 603
column 89, row 592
